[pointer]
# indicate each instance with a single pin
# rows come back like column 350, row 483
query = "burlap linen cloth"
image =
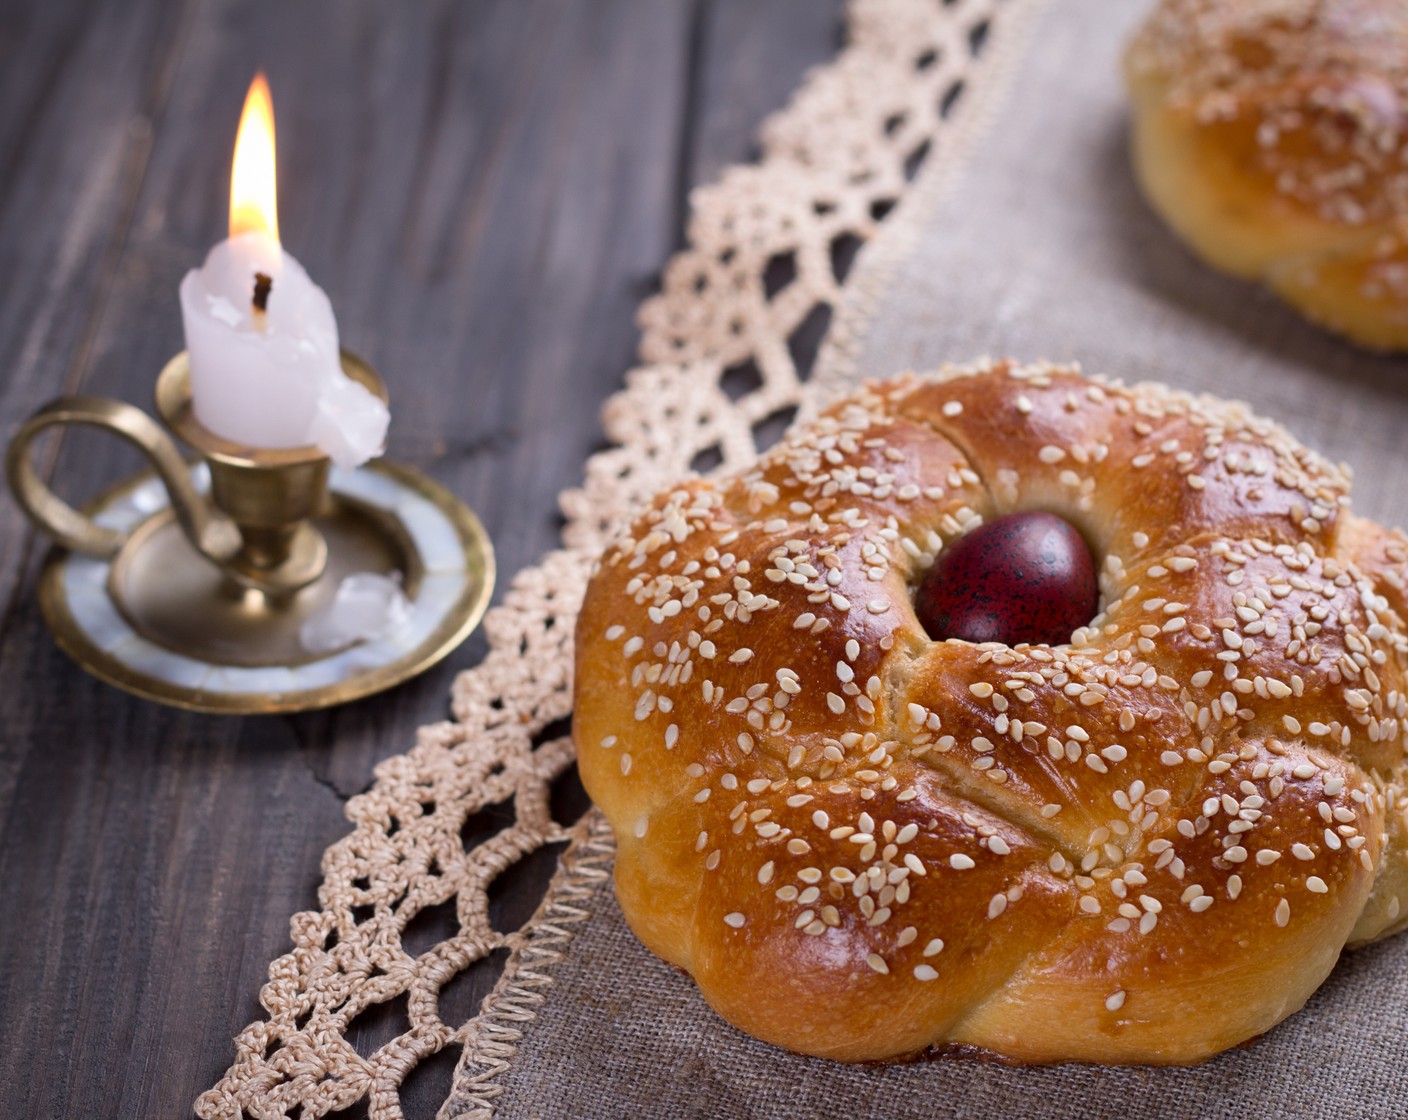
column 1039, row 247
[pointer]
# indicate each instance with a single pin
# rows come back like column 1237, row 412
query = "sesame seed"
column 877, row 962
column 1316, row 885
column 735, row 920
column 960, row 862
column 925, row 973
column 1115, row 1002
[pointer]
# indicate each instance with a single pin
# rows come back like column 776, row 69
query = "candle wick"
column 263, row 285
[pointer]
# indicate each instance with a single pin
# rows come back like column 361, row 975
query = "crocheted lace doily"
column 727, row 348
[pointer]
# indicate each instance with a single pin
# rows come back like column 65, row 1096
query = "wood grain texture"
column 486, row 191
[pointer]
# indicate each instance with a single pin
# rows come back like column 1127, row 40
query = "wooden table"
column 486, row 189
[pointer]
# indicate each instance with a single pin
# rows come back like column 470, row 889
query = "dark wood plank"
column 82, row 87
column 486, row 191
column 755, row 55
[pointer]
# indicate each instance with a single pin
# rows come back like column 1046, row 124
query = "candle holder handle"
column 212, row 533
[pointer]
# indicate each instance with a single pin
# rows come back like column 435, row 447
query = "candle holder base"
column 159, row 620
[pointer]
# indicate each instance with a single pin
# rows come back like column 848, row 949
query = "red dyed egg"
column 1026, row 577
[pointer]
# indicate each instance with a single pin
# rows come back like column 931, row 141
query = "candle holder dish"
column 190, row 584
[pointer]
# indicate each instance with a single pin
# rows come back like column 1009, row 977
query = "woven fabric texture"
column 833, row 164
column 623, row 1034
column 1036, row 246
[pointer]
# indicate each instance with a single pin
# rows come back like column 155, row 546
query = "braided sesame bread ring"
column 1146, row 845
column 1273, row 137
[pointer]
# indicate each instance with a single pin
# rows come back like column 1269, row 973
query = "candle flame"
column 253, row 195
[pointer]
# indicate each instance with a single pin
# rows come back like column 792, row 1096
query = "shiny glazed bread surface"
column 1272, row 135
column 1146, row 845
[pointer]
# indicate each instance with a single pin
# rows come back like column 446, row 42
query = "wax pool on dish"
column 261, row 336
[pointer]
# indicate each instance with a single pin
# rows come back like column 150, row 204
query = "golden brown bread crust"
column 1272, row 135
column 1145, row 846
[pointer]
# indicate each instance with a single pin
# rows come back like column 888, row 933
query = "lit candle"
column 261, row 336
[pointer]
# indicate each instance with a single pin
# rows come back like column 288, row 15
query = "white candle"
column 269, row 376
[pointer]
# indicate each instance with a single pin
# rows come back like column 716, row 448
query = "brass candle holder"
column 192, row 584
